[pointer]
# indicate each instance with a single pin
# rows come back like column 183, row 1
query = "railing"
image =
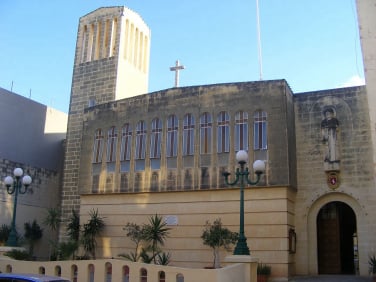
column 115, row 270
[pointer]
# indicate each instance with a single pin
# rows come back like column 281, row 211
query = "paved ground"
column 331, row 278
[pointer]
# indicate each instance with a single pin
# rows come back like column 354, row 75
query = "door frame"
column 360, row 217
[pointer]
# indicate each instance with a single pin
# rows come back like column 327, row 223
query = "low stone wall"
column 122, row 270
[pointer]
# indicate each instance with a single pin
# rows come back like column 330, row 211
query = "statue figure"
column 329, row 133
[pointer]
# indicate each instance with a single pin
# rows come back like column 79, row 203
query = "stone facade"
column 354, row 170
column 197, row 170
column 311, row 213
column 107, row 67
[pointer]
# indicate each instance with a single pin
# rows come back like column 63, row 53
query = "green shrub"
column 264, row 269
column 18, row 254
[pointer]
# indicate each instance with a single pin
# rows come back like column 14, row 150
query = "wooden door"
column 328, row 240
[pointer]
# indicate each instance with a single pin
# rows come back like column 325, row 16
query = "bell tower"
column 111, row 63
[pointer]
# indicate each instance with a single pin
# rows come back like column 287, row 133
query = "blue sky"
column 312, row 44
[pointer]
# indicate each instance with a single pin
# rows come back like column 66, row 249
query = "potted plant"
column 372, row 266
column 216, row 236
column 263, row 272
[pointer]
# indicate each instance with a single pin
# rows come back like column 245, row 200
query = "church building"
column 131, row 154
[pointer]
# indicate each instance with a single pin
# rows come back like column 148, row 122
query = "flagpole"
column 259, row 38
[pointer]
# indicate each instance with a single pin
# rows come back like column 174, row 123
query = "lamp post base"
column 241, row 247
column 12, row 239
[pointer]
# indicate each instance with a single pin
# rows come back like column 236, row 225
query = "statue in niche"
column 329, row 133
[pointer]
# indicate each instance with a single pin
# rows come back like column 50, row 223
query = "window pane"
column 98, row 144
column 205, row 133
column 223, row 132
column 140, row 140
column 172, row 136
column 260, row 131
column 241, row 131
column 126, row 143
column 155, row 138
column 188, row 135
column 111, row 144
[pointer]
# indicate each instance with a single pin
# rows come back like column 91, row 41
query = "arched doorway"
column 336, row 239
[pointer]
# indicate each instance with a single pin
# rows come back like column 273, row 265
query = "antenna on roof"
column 11, row 87
column 259, row 38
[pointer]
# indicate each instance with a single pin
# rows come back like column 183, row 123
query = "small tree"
column 216, row 236
column 136, row 233
column 33, row 233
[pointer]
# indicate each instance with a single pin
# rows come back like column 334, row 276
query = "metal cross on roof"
column 176, row 69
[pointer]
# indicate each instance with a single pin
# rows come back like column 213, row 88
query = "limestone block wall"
column 43, row 193
column 273, row 97
column 355, row 169
column 269, row 216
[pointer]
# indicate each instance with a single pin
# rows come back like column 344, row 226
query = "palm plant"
column 164, row 258
column 91, row 230
column 53, row 220
column 155, row 233
column 73, row 227
column 4, row 233
column 68, row 249
column 33, row 233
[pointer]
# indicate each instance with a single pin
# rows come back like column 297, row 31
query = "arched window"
column 98, row 144
column 58, row 270
column 179, row 277
column 260, row 131
column 161, row 276
column 223, row 132
column 205, row 133
column 126, row 143
column 112, row 137
column 188, row 135
column 108, row 272
column 91, row 271
column 156, row 138
column 125, row 273
column 172, row 136
column 140, row 140
column 42, row 270
column 241, row 131
column 74, row 273
column 143, row 275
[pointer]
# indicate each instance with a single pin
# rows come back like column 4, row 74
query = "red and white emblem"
column 333, row 179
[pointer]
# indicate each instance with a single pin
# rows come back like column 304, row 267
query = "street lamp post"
column 15, row 186
column 241, row 177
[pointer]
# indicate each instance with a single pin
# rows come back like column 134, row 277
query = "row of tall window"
column 205, row 123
